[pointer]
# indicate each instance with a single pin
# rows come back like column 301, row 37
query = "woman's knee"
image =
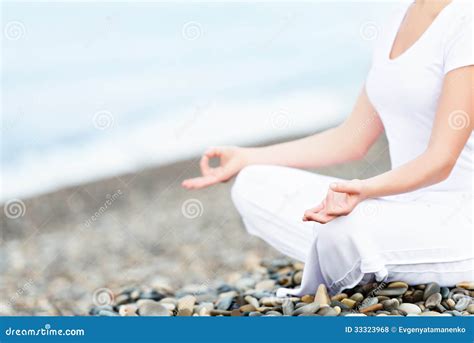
column 245, row 184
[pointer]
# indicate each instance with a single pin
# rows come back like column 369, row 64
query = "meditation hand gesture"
column 341, row 199
column 232, row 160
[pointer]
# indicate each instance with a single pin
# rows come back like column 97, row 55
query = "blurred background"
column 106, row 107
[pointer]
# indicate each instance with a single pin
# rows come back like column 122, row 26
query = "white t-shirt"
column 405, row 90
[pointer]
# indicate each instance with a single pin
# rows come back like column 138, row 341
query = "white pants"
column 418, row 238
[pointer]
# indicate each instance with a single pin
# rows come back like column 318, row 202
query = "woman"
column 412, row 223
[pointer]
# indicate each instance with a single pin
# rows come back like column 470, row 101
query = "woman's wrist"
column 365, row 189
column 246, row 156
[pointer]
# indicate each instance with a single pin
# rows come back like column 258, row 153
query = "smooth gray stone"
column 327, row 312
column 357, row 297
column 391, row 304
column 431, row 289
column 96, row 309
column 152, row 308
column 255, row 314
column 462, row 304
column 433, row 300
column 444, row 292
column 309, row 308
column 224, row 303
column 288, row 307
column 105, row 313
column 369, row 302
column 392, row 292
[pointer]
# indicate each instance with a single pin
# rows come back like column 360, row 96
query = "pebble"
column 219, row 313
column 206, row 306
column 105, row 313
column 394, row 289
column 252, row 301
column 271, row 301
column 433, row 300
column 253, row 293
column 348, row 302
column 297, row 277
column 357, row 297
column 409, row 308
column 391, row 304
column 224, row 303
column 153, row 308
column 339, row 304
column 444, row 292
column 308, row 308
column 186, row 302
column 265, row 285
column 339, row 297
column 321, row 297
column 462, row 303
column 307, row 298
column 255, row 314
column 235, row 313
column 451, row 303
column 288, row 307
column 247, row 308
column 369, row 302
column 273, row 313
column 371, row 308
column 95, row 310
column 128, row 310
column 245, row 283
column 152, row 295
column 328, row 312
column 431, row 289
column 466, row 285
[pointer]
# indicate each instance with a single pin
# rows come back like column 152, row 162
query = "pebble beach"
column 139, row 244
column 253, row 294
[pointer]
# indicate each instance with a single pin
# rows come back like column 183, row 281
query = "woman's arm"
column 349, row 141
column 452, row 128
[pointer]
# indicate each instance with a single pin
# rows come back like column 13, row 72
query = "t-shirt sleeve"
column 459, row 45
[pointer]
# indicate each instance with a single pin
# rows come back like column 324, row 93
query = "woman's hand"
column 232, row 160
column 341, row 199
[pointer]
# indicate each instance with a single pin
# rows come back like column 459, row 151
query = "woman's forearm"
column 424, row 171
column 319, row 150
